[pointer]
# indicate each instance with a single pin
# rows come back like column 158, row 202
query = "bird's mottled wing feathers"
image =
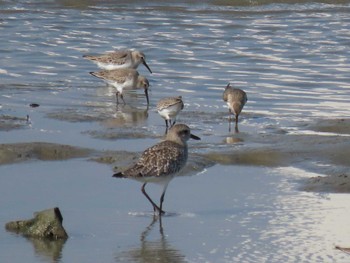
column 162, row 159
column 117, row 57
column 234, row 94
column 238, row 95
column 168, row 102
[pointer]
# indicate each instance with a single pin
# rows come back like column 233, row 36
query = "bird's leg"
column 161, row 227
column 155, row 207
column 236, row 125
column 116, row 95
column 121, row 96
column 166, row 123
column 229, row 120
column 162, row 200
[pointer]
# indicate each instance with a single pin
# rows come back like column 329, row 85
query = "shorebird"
column 119, row 59
column 161, row 162
column 123, row 79
column 236, row 99
column 168, row 108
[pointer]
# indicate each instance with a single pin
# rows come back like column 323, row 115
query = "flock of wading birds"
column 161, row 162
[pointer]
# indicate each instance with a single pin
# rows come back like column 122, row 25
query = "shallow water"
column 218, row 216
column 291, row 58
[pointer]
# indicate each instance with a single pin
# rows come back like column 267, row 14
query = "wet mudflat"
column 230, row 218
column 237, row 201
column 276, row 191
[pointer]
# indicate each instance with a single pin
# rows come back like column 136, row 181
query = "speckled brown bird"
column 168, row 108
column 236, row 99
column 119, row 59
column 123, row 79
column 161, row 162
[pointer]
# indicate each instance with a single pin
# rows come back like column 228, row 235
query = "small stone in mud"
column 45, row 224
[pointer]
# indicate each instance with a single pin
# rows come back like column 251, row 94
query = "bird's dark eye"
column 184, row 133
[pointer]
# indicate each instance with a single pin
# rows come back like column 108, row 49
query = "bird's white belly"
column 128, row 84
column 169, row 112
column 231, row 107
column 108, row 66
column 111, row 66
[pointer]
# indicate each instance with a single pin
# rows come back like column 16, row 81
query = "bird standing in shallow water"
column 236, row 99
column 119, row 59
column 123, row 79
column 168, row 108
column 161, row 162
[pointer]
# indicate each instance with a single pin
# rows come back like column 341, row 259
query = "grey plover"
column 168, row 108
column 119, row 59
column 236, row 99
column 123, row 79
column 161, row 162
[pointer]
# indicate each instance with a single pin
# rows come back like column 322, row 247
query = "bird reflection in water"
column 152, row 251
column 126, row 115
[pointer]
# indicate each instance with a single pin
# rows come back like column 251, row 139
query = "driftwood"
column 45, row 224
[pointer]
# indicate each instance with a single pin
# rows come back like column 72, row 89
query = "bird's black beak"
column 194, row 137
column 144, row 63
column 146, row 93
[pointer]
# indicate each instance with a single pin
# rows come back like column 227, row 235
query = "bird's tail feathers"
column 118, row 175
column 88, row 57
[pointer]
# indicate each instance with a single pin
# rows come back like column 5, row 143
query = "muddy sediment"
column 339, row 126
column 332, row 183
column 332, row 151
column 282, row 150
column 17, row 152
column 8, row 122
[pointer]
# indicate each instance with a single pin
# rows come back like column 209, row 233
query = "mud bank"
column 325, row 150
column 323, row 147
column 18, row 152
column 331, row 183
column 280, row 150
column 8, row 122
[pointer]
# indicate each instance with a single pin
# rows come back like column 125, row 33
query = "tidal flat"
column 275, row 191
column 274, row 150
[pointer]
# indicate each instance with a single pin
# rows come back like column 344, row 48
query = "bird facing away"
column 168, row 108
column 123, row 79
column 119, row 59
column 161, row 162
column 236, row 99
